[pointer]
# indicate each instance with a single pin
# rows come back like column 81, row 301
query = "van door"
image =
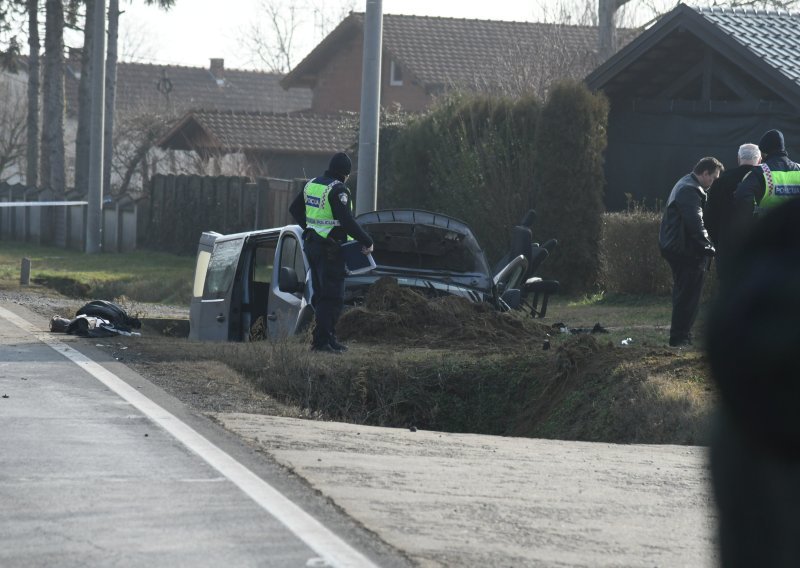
column 257, row 266
column 204, row 249
column 287, row 309
column 218, row 314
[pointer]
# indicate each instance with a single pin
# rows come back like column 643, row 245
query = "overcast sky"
column 196, row 30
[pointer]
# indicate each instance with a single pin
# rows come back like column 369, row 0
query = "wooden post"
column 25, row 272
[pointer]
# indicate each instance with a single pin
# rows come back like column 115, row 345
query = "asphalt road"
column 109, row 470
column 100, row 468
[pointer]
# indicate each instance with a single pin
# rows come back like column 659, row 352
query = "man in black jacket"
column 323, row 209
column 719, row 212
column 684, row 243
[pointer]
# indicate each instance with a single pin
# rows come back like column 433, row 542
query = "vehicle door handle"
column 272, row 317
column 221, row 318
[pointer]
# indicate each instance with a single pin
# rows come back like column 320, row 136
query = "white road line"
column 334, row 550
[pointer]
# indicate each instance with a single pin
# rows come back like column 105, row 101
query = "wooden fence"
column 182, row 207
column 170, row 216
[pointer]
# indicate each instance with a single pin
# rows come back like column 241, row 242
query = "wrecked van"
column 258, row 284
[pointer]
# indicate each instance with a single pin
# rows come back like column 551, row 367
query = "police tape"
column 40, row 203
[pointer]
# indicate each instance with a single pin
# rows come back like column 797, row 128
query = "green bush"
column 469, row 157
column 630, row 258
column 568, row 195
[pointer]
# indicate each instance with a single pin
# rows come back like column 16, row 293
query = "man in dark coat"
column 323, row 209
column 684, row 243
column 719, row 213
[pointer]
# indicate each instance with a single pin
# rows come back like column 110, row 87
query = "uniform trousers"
column 327, row 279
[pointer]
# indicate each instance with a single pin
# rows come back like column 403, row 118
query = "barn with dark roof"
column 700, row 82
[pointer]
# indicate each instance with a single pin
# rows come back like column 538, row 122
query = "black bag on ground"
column 111, row 312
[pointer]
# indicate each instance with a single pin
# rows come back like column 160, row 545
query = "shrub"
column 469, row 157
column 630, row 258
column 568, row 194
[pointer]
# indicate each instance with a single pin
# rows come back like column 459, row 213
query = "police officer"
column 773, row 182
column 324, row 210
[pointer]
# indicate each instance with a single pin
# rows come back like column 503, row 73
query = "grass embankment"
column 461, row 377
column 584, row 387
column 143, row 276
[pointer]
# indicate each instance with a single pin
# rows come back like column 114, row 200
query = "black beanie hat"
column 340, row 164
column 771, row 142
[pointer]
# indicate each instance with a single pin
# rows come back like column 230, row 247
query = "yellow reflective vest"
column 319, row 215
column 779, row 187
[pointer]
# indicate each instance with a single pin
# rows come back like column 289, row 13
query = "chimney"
column 218, row 70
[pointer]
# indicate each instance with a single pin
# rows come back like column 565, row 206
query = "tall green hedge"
column 487, row 160
column 469, row 157
column 568, row 193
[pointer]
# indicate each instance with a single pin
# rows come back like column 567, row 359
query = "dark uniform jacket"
column 683, row 235
column 339, row 198
column 719, row 212
column 751, row 189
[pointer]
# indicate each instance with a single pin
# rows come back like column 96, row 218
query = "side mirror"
column 287, row 281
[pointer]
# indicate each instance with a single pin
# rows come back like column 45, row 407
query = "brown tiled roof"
column 194, row 88
column 452, row 51
column 306, row 133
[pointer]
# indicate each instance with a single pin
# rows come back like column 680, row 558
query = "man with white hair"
column 720, row 209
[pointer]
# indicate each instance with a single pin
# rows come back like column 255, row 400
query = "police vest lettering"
column 319, row 215
column 780, row 186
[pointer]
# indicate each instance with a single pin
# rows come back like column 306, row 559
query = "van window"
column 200, row 273
column 222, row 268
column 264, row 259
column 292, row 255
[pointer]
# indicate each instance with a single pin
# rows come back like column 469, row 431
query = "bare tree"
column 135, row 41
column 134, row 137
column 110, row 100
column 32, row 119
column 52, row 164
column 12, row 127
column 271, row 37
column 82, row 137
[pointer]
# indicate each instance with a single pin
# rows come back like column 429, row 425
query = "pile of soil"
column 393, row 314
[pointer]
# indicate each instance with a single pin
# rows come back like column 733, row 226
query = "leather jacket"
column 682, row 235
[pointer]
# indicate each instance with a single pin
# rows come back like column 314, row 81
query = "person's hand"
column 367, row 250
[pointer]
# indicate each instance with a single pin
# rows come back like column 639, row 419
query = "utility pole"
column 94, row 218
column 367, row 194
column 606, row 9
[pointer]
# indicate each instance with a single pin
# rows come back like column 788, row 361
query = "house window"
column 395, row 75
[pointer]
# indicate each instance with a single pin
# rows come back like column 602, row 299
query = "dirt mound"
column 394, row 314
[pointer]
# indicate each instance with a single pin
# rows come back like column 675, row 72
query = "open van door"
column 204, row 249
column 290, row 308
column 212, row 313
